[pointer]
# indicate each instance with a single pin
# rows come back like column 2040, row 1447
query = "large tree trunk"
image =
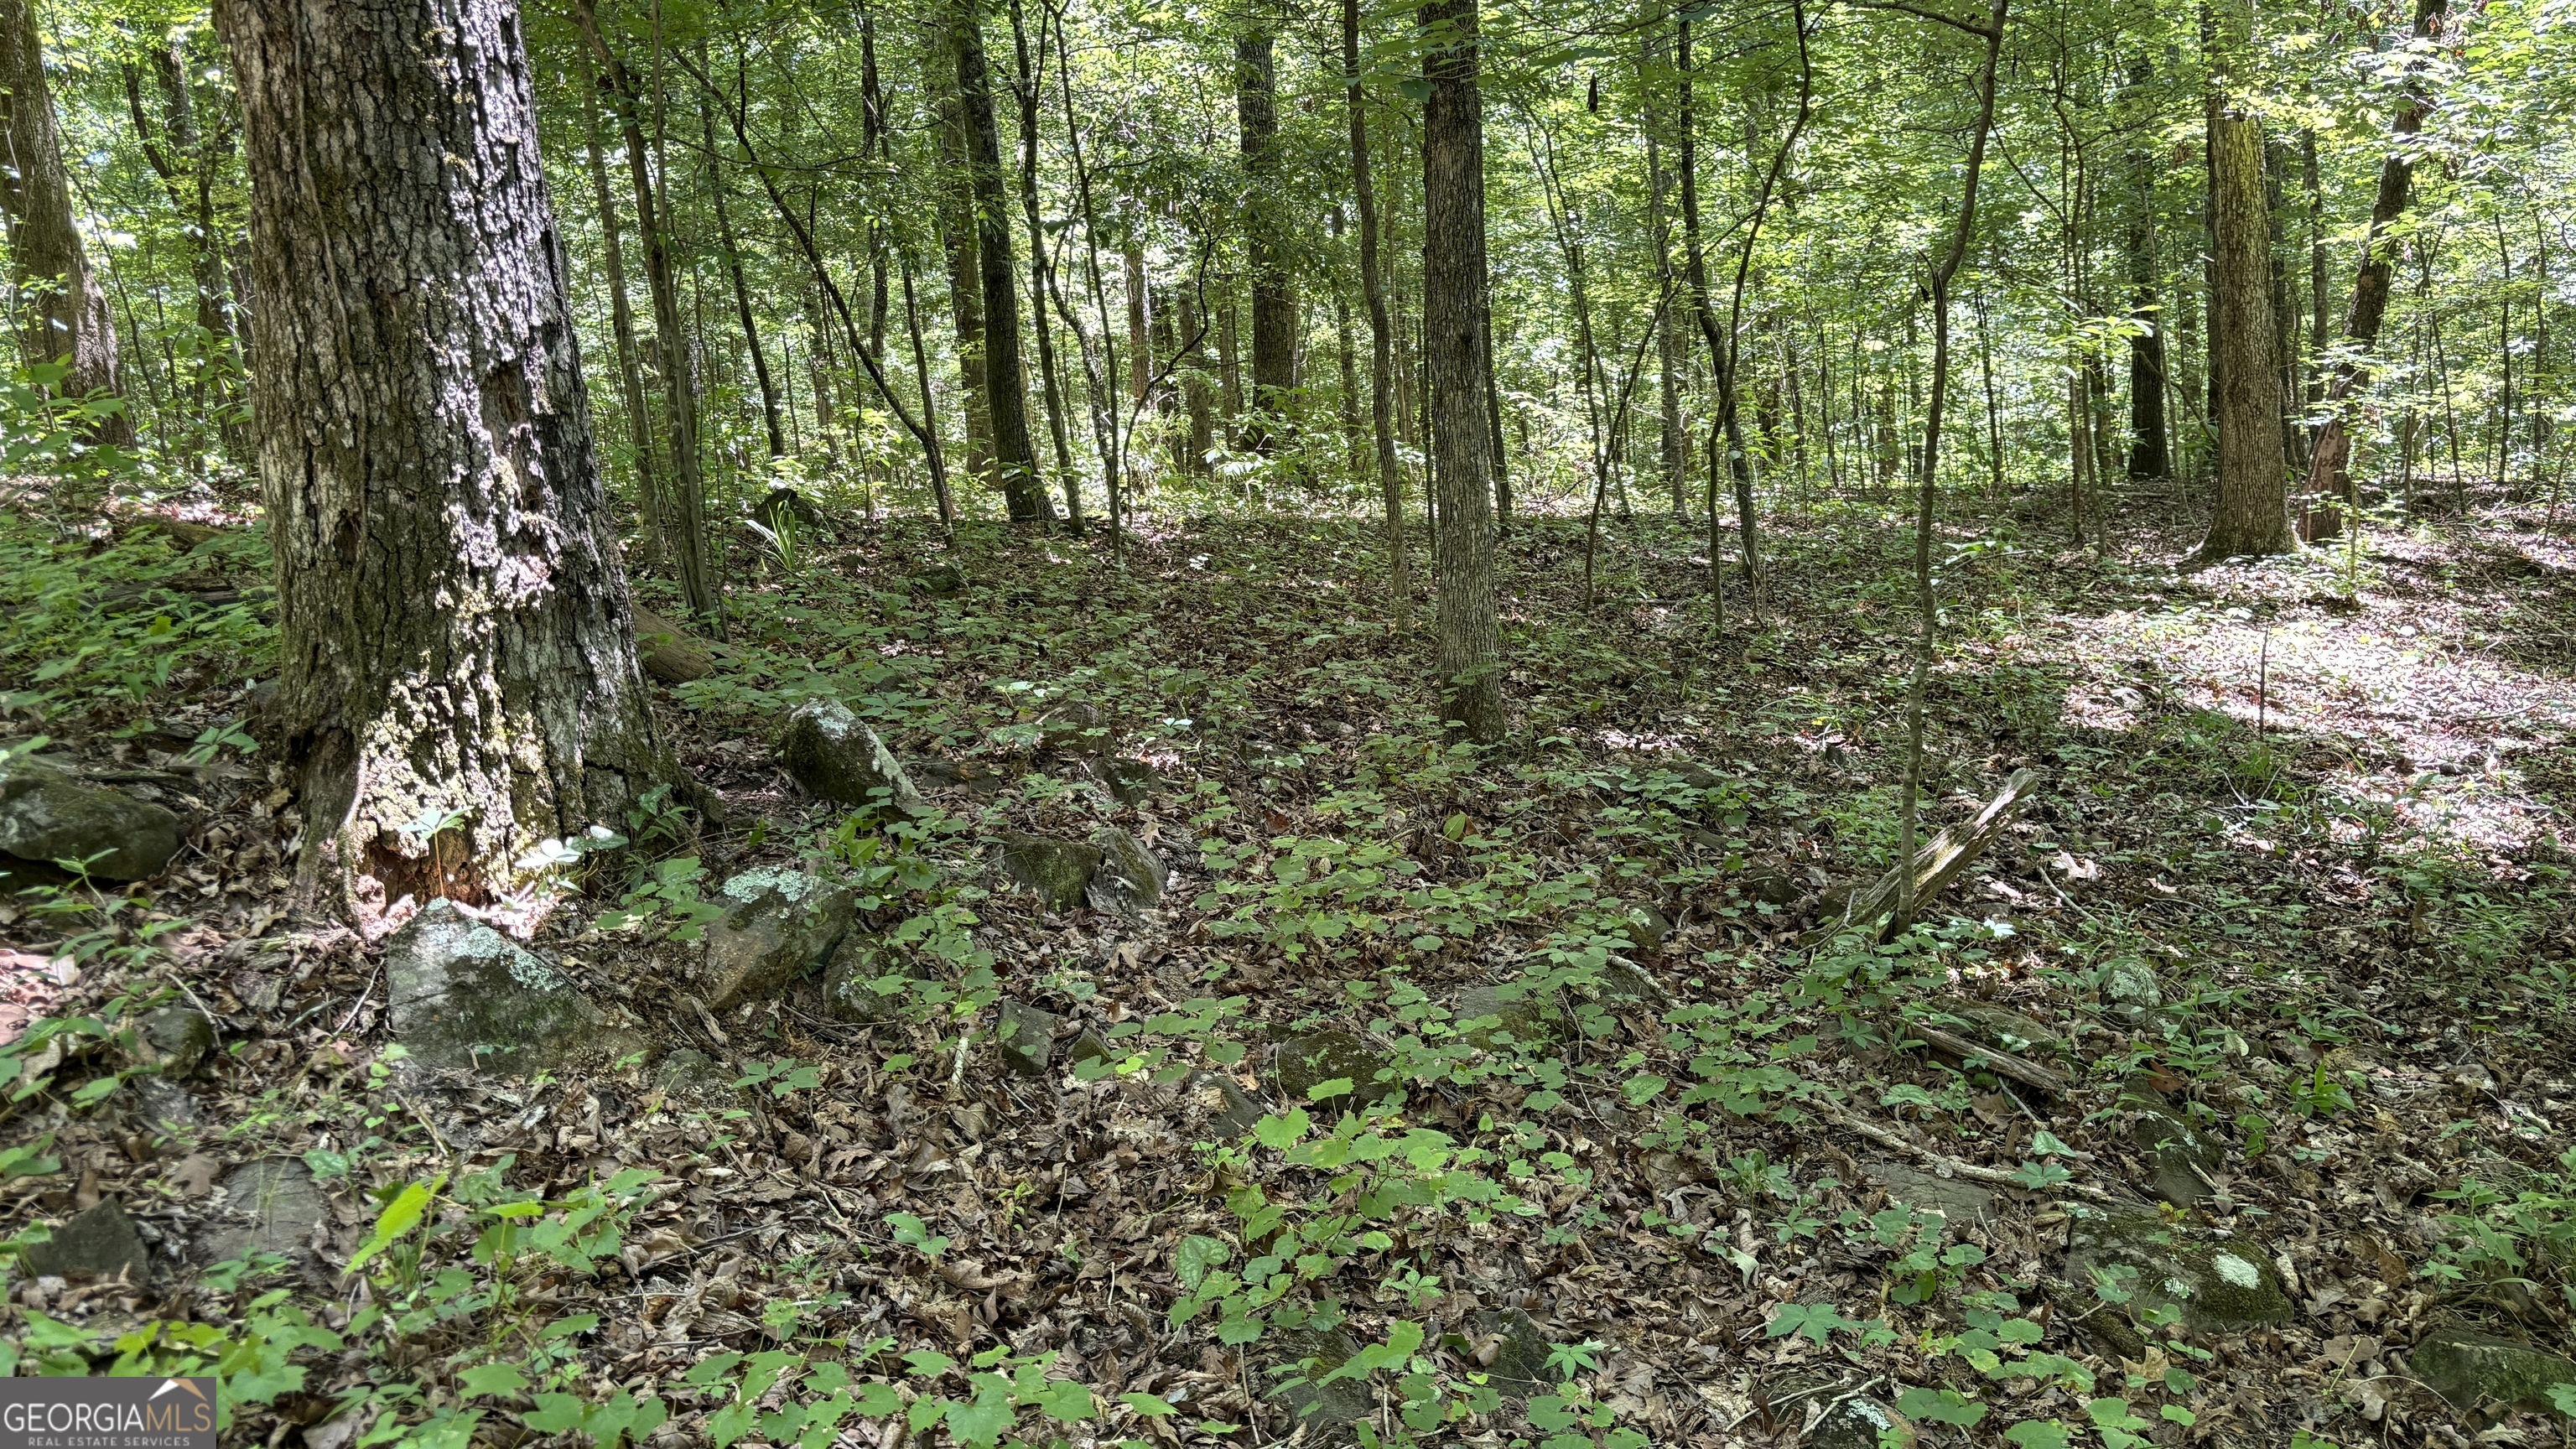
column 621, row 316
column 458, row 673
column 1453, row 324
column 1274, row 304
column 2329, row 470
column 1381, row 330
column 2252, row 515
column 1006, row 391
column 66, row 317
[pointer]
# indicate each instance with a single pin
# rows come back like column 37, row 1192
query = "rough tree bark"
column 1274, row 303
column 1381, row 331
column 2148, row 455
column 1454, row 301
column 2252, row 515
column 956, row 209
column 1006, row 392
column 2330, row 467
column 66, row 316
column 458, row 677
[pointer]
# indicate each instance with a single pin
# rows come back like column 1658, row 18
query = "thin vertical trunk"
column 732, row 257
column 65, row 316
column 1006, row 394
column 874, row 149
column 1140, row 321
column 1381, row 330
column 1454, row 299
column 1274, row 304
column 1195, row 395
column 1354, row 447
column 621, row 315
column 1673, row 446
column 1027, row 91
column 956, row 217
column 2148, row 453
column 929, row 404
column 1229, row 363
column 1097, row 371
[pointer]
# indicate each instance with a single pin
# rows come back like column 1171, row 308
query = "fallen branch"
column 1951, row 1166
column 2002, row 1063
column 1938, row 863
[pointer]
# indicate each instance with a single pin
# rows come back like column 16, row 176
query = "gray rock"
column 1624, row 983
column 1768, row 886
column 100, row 1243
column 467, row 997
column 1525, row 1021
column 1220, row 1100
column 48, row 815
column 2222, row 1283
column 2183, row 1158
column 1308, row 1061
column 1088, row 1046
column 779, row 924
column 2477, row 1371
column 1127, row 781
column 282, row 1206
column 1072, row 728
column 940, row 579
column 1129, row 880
column 690, row 1075
column 1026, row 1038
column 1520, row 1348
column 2130, row 982
column 836, row 757
column 1962, row 1204
column 163, row 1107
column 865, row 988
column 1646, row 928
column 1058, row 872
column 180, row 1038
column 1861, row 1422
column 1327, row 1412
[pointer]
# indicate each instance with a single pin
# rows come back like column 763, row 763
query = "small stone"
column 163, row 1107
column 1072, row 728
column 1088, row 1046
column 1057, row 871
column 939, row 579
column 467, row 997
column 180, row 1038
column 100, row 1243
column 1520, row 1346
column 283, row 1206
column 1223, row 1102
column 1318, row 1057
column 1624, row 984
column 48, row 815
column 2130, row 982
column 1326, row 1412
column 1961, row 1204
column 1646, row 928
column 865, row 988
column 1128, row 782
column 1768, row 886
column 2475, row 1371
column 2222, row 1283
column 1521, row 1021
column 1026, row 1037
column 691, row 1075
column 2183, row 1157
column 778, row 925
column 1129, row 880
column 835, row 757
column 1861, row 1422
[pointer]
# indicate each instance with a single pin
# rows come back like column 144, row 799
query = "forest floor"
column 2240, row 1117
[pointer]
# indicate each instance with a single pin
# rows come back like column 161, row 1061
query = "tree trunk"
column 1229, row 363
column 1027, row 94
column 873, row 146
column 66, row 316
column 1006, row 393
column 732, row 257
column 2148, row 454
column 1454, row 281
column 621, row 316
column 1195, row 393
column 965, row 273
column 1381, row 331
column 458, row 671
column 1274, row 305
column 2329, row 470
column 2252, row 514
column 1140, row 321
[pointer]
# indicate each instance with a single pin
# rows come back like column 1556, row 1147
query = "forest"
column 1096, row 722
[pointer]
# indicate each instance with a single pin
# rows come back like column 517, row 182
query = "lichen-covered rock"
column 47, row 815
column 2004, row 1028
column 276, row 1207
column 180, row 1038
column 779, row 924
column 100, row 1243
column 1861, row 1422
column 2222, row 1283
column 1127, row 781
column 1328, row 1412
column 1960, row 1204
column 865, row 987
column 2129, row 982
column 836, row 757
column 1624, row 983
column 1025, row 1037
column 1330, row 1055
column 1500, row 1018
column 467, row 997
column 1645, row 927
column 1129, row 880
column 1511, row 1347
column 1058, row 872
column 1072, row 728
column 939, row 579
column 690, row 1075
column 2478, row 1371
column 2183, row 1157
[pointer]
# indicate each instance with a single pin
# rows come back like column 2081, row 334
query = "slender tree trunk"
column 1140, row 321
column 65, row 312
column 686, row 524
column 1390, row 475
column 1028, row 94
column 621, row 315
column 731, row 255
column 2252, row 514
column 874, row 148
column 1454, row 282
column 2329, row 470
column 458, row 678
column 2148, row 453
column 1229, row 364
column 1006, row 393
column 965, row 271
column 1196, row 396
column 1274, row 301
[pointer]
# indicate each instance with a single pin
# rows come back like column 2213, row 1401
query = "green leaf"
column 1278, row 1132
column 399, row 1217
column 2038, row 1434
column 498, row 1380
column 1940, row 1406
column 1148, row 1406
column 1337, row 1087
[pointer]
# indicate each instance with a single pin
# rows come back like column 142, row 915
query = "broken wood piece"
column 1898, row 1142
column 669, row 653
column 1937, row 864
column 1976, row 1053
